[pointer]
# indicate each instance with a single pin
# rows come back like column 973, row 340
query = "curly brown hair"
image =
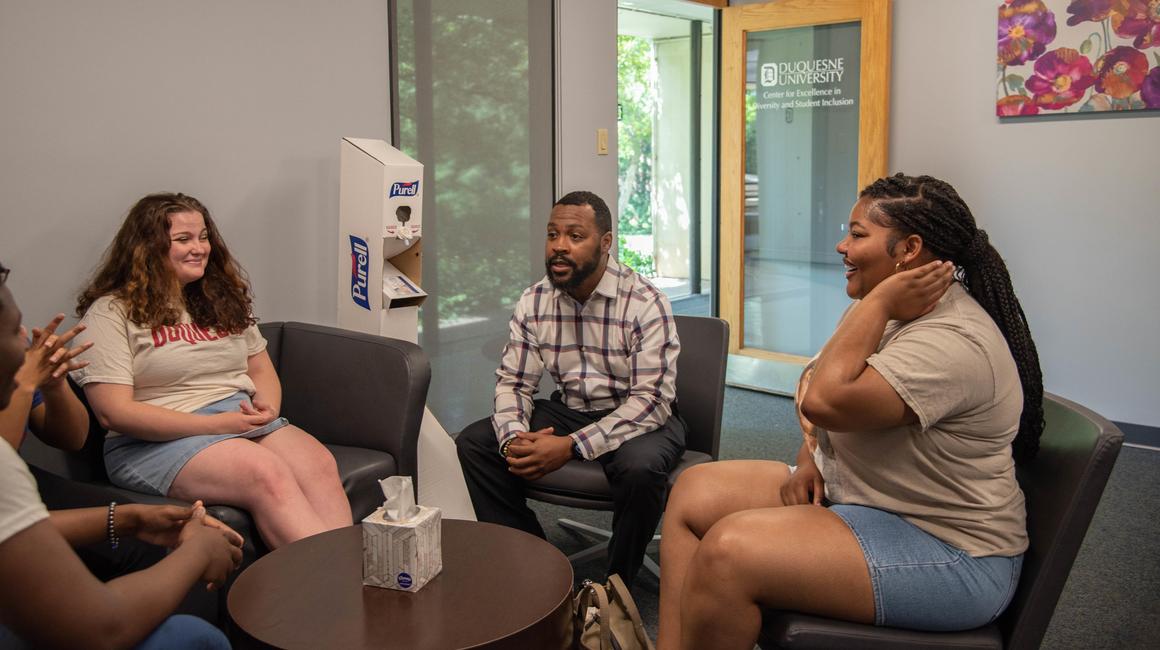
column 135, row 270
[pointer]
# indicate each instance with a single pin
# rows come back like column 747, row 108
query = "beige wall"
column 241, row 104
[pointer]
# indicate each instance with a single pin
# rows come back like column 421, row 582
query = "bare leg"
column 316, row 472
column 240, row 472
column 702, row 496
column 803, row 558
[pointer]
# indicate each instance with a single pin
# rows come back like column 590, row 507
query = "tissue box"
column 402, row 555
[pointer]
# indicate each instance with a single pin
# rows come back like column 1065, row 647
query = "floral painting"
column 1077, row 56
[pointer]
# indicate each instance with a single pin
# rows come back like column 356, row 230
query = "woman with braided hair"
column 903, row 509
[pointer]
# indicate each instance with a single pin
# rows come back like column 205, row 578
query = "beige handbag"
column 605, row 618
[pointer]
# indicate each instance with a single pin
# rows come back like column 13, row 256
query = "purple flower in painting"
column 1061, row 78
column 1139, row 19
column 1015, row 105
column 1025, row 29
column 1150, row 90
column 1088, row 10
column 1120, row 71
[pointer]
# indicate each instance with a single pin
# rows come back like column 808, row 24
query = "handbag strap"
column 589, row 592
column 620, row 592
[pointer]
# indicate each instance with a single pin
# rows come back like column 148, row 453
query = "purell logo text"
column 404, row 189
column 359, row 258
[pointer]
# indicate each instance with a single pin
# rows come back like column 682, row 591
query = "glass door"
column 804, row 92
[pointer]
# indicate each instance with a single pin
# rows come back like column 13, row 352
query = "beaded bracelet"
column 111, row 530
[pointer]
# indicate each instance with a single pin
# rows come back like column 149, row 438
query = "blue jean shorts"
column 923, row 583
column 150, row 467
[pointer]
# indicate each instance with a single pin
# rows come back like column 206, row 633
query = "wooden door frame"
column 873, row 122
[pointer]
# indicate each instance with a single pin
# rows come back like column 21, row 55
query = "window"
column 665, row 112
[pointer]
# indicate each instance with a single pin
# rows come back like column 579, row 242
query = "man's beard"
column 580, row 273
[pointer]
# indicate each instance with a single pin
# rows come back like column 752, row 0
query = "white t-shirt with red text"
column 181, row 367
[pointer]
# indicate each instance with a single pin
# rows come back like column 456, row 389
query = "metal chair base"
column 601, row 548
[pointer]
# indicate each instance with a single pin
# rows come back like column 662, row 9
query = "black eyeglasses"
column 4, row 274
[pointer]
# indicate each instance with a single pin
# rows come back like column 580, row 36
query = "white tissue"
column 399, row 498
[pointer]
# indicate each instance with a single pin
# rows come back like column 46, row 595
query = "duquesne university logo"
column 404, row 189
column 359, row 267
column 809, row 72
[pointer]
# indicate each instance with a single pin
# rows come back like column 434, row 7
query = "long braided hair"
column 933, row 210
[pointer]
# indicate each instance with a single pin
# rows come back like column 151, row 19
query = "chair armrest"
column 355, row 389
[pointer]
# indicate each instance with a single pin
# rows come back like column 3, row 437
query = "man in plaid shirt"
column 608, row 339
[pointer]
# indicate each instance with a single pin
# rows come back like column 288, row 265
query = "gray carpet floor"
column 1112, row 597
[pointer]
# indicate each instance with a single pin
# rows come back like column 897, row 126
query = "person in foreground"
column 43, row 403
column 42, row 400
column 181, row 378
column 903, row 509
column 608, row 339
column 49, row 599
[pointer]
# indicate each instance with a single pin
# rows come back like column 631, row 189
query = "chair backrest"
column 701, row 379
column 86, row 464
column 1063, row 485
column 272, row 332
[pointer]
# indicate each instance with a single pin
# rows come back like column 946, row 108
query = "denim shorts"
column 150, row 467
column 923, row 583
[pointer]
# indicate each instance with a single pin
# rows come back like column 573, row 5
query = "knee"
column 640, row 471
column 270, row 479
column 722, row 550
column 183, row 630
column 322, row 465
column 477, row 438
column 644, row 477
column 693, row 492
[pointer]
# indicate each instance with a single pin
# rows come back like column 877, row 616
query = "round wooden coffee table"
column 499, row 588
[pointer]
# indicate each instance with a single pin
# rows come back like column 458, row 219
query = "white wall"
column 1073, row 204
column 241, row 104
column 586, row 97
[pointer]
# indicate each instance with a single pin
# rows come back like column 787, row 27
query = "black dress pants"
column 637, row 472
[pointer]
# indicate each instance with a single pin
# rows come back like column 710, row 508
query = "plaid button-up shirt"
column 616, row 351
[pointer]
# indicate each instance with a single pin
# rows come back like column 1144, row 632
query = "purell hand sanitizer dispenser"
column 380, row 253
column 380, row 215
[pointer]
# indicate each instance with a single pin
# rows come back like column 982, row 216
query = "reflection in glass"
column 801, row 175
column 470, row 82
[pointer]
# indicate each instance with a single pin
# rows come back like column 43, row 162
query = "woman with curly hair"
column 180, row 377
column 903, row 509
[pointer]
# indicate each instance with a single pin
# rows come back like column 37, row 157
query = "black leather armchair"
column 361, row 395
column 1063, row 485
column 701, row 400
